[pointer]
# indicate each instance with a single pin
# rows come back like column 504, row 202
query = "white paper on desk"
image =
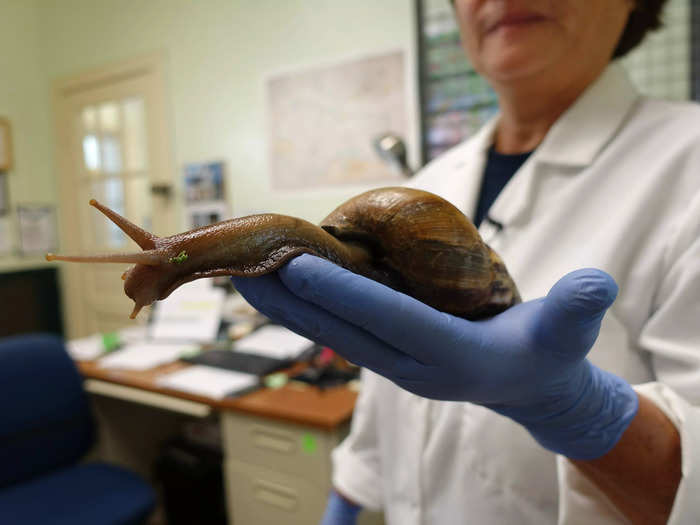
column 145, row 355
column 274, row 341
column 190, row 313
column 132, row 334
column 208, row 381
column 86, row 348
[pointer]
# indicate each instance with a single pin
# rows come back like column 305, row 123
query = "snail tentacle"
column 145, row 240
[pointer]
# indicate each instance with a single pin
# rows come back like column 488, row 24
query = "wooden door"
column 112, row 145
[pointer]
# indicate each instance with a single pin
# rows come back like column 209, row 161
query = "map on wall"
column 322, row 122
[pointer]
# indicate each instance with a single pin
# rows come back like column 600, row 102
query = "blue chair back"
column 45, row 421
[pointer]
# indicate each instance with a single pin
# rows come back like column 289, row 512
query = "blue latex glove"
column 340, row 511
column 528, row 363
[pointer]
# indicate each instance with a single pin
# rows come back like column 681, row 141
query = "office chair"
column 45, row 428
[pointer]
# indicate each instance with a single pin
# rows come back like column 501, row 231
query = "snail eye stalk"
column 146, row 240
column 151, row 256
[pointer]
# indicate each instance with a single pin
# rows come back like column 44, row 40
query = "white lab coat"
column 615, row 185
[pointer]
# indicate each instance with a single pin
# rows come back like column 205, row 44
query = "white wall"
column 24, row 100
column 219, row 53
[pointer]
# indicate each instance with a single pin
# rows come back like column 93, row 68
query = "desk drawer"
column 282, row 447
column 260, row 496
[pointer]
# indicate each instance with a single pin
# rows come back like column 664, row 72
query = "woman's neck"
column 527, row 115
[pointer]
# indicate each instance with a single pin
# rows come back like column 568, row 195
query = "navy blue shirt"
column 499, row 169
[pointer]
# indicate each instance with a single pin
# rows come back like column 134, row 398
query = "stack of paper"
column 145, row 355
column 191, row 313
column 87, row 348
column 208, row 381
column 274, row 341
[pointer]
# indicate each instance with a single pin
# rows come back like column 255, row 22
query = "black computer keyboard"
column 240, row 361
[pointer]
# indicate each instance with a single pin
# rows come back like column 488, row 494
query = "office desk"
column 276, row 443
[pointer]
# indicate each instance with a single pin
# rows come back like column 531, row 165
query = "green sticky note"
column 308, row 444
column 191, row 352
column 110, row 341
column 276, row 380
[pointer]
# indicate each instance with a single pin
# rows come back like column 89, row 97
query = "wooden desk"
column 295, row 403
column 276, row 443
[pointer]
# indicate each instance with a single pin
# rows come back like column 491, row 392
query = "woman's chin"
column 514, row 66
column 506, row 59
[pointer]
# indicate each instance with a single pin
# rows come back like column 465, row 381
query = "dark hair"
column 645, row 17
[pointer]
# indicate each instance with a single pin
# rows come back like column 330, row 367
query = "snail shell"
column 430, row 247
column 410, row 240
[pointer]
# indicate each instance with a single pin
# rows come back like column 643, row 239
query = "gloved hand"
column 528, row 363
column 340, row 511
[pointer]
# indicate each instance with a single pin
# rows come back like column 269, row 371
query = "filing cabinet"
column 276, row 472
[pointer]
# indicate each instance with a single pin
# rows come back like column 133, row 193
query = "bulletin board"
column 455, row 100
column 665, row 65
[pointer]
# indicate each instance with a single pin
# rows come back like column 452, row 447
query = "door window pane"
column 91, row 152
column 109, row 117
column 135, row 145
column 111, row 154
column 138, row 202
column 109, row 192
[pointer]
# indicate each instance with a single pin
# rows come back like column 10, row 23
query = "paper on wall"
column 36, row 228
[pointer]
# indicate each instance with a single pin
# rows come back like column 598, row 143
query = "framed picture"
column 205, row 195
column 5, row 145
column 204, row 182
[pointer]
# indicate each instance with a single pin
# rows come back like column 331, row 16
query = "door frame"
column 152, row 68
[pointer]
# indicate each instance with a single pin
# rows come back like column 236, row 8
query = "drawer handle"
column 270, row 440
column 275, row 495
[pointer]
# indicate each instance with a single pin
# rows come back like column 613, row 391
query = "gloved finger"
column 269, row 295
column 396, row 318
column 573, row 309
column 260, row 292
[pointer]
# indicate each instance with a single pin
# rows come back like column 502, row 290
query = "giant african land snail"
column 411, row 240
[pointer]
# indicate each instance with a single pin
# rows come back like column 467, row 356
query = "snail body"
column 410, row 240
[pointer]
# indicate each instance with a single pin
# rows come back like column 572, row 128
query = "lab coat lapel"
column 457, row 175
column 573, row 143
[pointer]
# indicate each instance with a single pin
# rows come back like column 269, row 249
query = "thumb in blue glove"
column 528, row 363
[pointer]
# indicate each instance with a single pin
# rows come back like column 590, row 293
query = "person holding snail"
column 566, row 390
column 579, row 404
